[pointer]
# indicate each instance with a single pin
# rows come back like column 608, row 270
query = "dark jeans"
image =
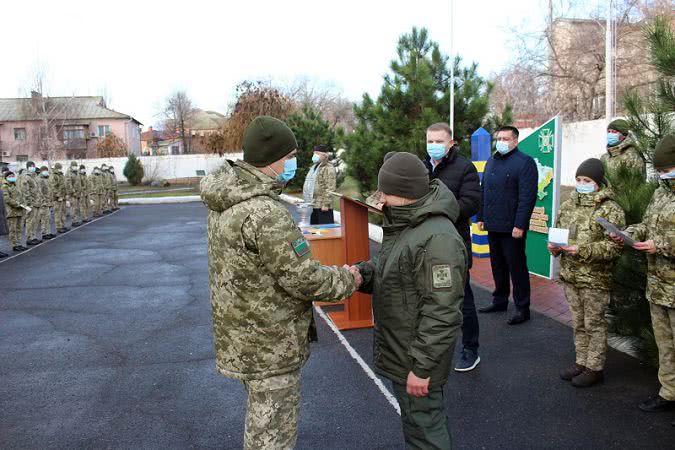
column 508, row 260
column 321, row 217
column 470, row 328
column 425, row 423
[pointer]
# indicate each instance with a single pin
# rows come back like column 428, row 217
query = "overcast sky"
column 140, row 51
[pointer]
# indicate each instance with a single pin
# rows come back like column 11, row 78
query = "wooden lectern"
column 358, row 312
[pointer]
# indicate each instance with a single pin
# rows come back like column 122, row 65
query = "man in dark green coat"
column 417, row 281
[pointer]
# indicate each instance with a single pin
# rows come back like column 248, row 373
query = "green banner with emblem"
column 544, row 146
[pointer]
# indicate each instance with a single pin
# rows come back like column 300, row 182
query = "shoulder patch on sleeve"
column 441, row 276
column 300, row 247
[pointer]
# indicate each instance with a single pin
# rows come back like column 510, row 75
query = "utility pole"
column 452, row 68
column 609, row 65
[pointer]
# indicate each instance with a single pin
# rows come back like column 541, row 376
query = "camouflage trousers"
column 588, row 307
column 44, row 213
column 32, row 223
column 14, row 230
column 663, row 322
column 75, row 210
column 272, row 412
column 106, row 201
column 115, row 200
column 60, row 214
column 84, row 207
column 96, row 207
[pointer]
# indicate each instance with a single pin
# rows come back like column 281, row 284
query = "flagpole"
column 452, row 68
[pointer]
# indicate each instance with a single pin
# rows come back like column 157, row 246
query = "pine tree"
column 413, row 96
column 650, row 119
column 133, row 170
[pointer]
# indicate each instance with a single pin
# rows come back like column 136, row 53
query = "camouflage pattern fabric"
column 262, row 277
column 624, row 153
column 663, row 322
column 272, row 412
column 13, row 211
column 84, row 198
column 44, row 212
column 95, row 194
column 115, row 202
column 324, row 182
column 592, row 266
column 32, row 197
column 659, row 224
column 588, row 307
column 14, row 230
column 59, row 195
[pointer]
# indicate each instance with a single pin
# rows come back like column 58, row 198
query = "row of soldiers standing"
column 31, row 195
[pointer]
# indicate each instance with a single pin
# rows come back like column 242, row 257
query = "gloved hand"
column 67, row 204
column 28, row 209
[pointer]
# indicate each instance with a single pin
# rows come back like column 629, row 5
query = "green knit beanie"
column 403, row 175
column 664, row 155
column 593, row 169
column 267, row 140
column 619, row 125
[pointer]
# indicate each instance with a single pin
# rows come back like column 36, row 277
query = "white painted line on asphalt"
column 4, row 260
column 354, row 354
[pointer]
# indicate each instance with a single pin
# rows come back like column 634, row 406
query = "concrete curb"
column 160, row 200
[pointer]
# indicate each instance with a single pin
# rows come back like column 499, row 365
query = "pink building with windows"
column 50, row 128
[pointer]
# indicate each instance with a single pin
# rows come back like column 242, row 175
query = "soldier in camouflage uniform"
column 59, row 196
column 621, row 149
column 114, row 198
column 14, row 210
column 84, row 197
column 95, row 191
column 586, row 268
column 657, row 236
column 263, row 281
column 75, row 188
column 29, row 191
column 45, row 210
column 320, row 181
column 106, row 182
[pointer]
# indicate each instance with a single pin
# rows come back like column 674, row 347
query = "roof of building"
column 207, row 120
column 62, row 108
column 153, row 135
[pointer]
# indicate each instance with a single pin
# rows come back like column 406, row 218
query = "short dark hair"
column 30, row 164
column 513, row 130
column 441, row 126
column 322, row 148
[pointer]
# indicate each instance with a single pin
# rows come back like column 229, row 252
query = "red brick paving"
column 547, row 296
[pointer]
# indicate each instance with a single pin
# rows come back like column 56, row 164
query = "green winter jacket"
column 593, row 265
column 417, row 281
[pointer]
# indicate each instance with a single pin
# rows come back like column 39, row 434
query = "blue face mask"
column 44, row 174
column 31, row 169
column 436, row 151
column 612, row 139
column 290, row 166
column 11, row 179
column 585, row 188
column 668, row 176
column 502, row 147
column 316, row 158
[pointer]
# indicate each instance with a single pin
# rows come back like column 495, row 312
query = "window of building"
column 69, row 135
column 175, row 150
column 103, row 130
column 19, row 134
column 21, row 158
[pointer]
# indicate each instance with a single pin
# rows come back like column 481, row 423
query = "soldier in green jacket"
column 45, row 209
column 84, row 197
column 30, row 195
column 263, row 281
column 14, row 210
column 106, row 190
column 417, row 281
column 59, row 196
column 75, row 194
column 621, row 149
column 586, row 266
column 320, row 181
column 114, row 201
column 95, row 191
column 656, row 234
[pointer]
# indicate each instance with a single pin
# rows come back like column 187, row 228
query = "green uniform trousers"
column 272, row 412
column 45, row 216
column 588, row 307
column 663, row 322
column 14, row 230
column 32, row 223
column 84, row 207
column 75, row 210
column 60, row 214
column 425, row 423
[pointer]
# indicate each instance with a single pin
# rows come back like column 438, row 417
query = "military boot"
column 587, row 378
column 571, row 372
column 3, row 255
column 19, row 248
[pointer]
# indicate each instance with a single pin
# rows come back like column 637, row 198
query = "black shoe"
column 493, row 308
column 571, row 372
column 3, row 255
column 657, row 404
column 61, row 230
column 76, row 224
column 519, row 317
column 106, row 212
column 19, row 248
column 33, row 242
column 588, row 378
column 468, row 361
column 116, row 209
column 85, row 220
column 48, row 236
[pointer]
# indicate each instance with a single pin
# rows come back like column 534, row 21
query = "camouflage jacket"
column 593, row 265
column 58, row 183
column 84, row 184
column 95, row 185
column 261, row 275
column 45, row 192
column 324, row 182
column 73, row 185
column 113, row 180
column 659, row 224
column 107, row 181
column 29, row 191
column 626, row 154
column 10, row 195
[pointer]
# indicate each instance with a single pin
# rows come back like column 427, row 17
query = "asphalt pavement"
column 105, row 342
